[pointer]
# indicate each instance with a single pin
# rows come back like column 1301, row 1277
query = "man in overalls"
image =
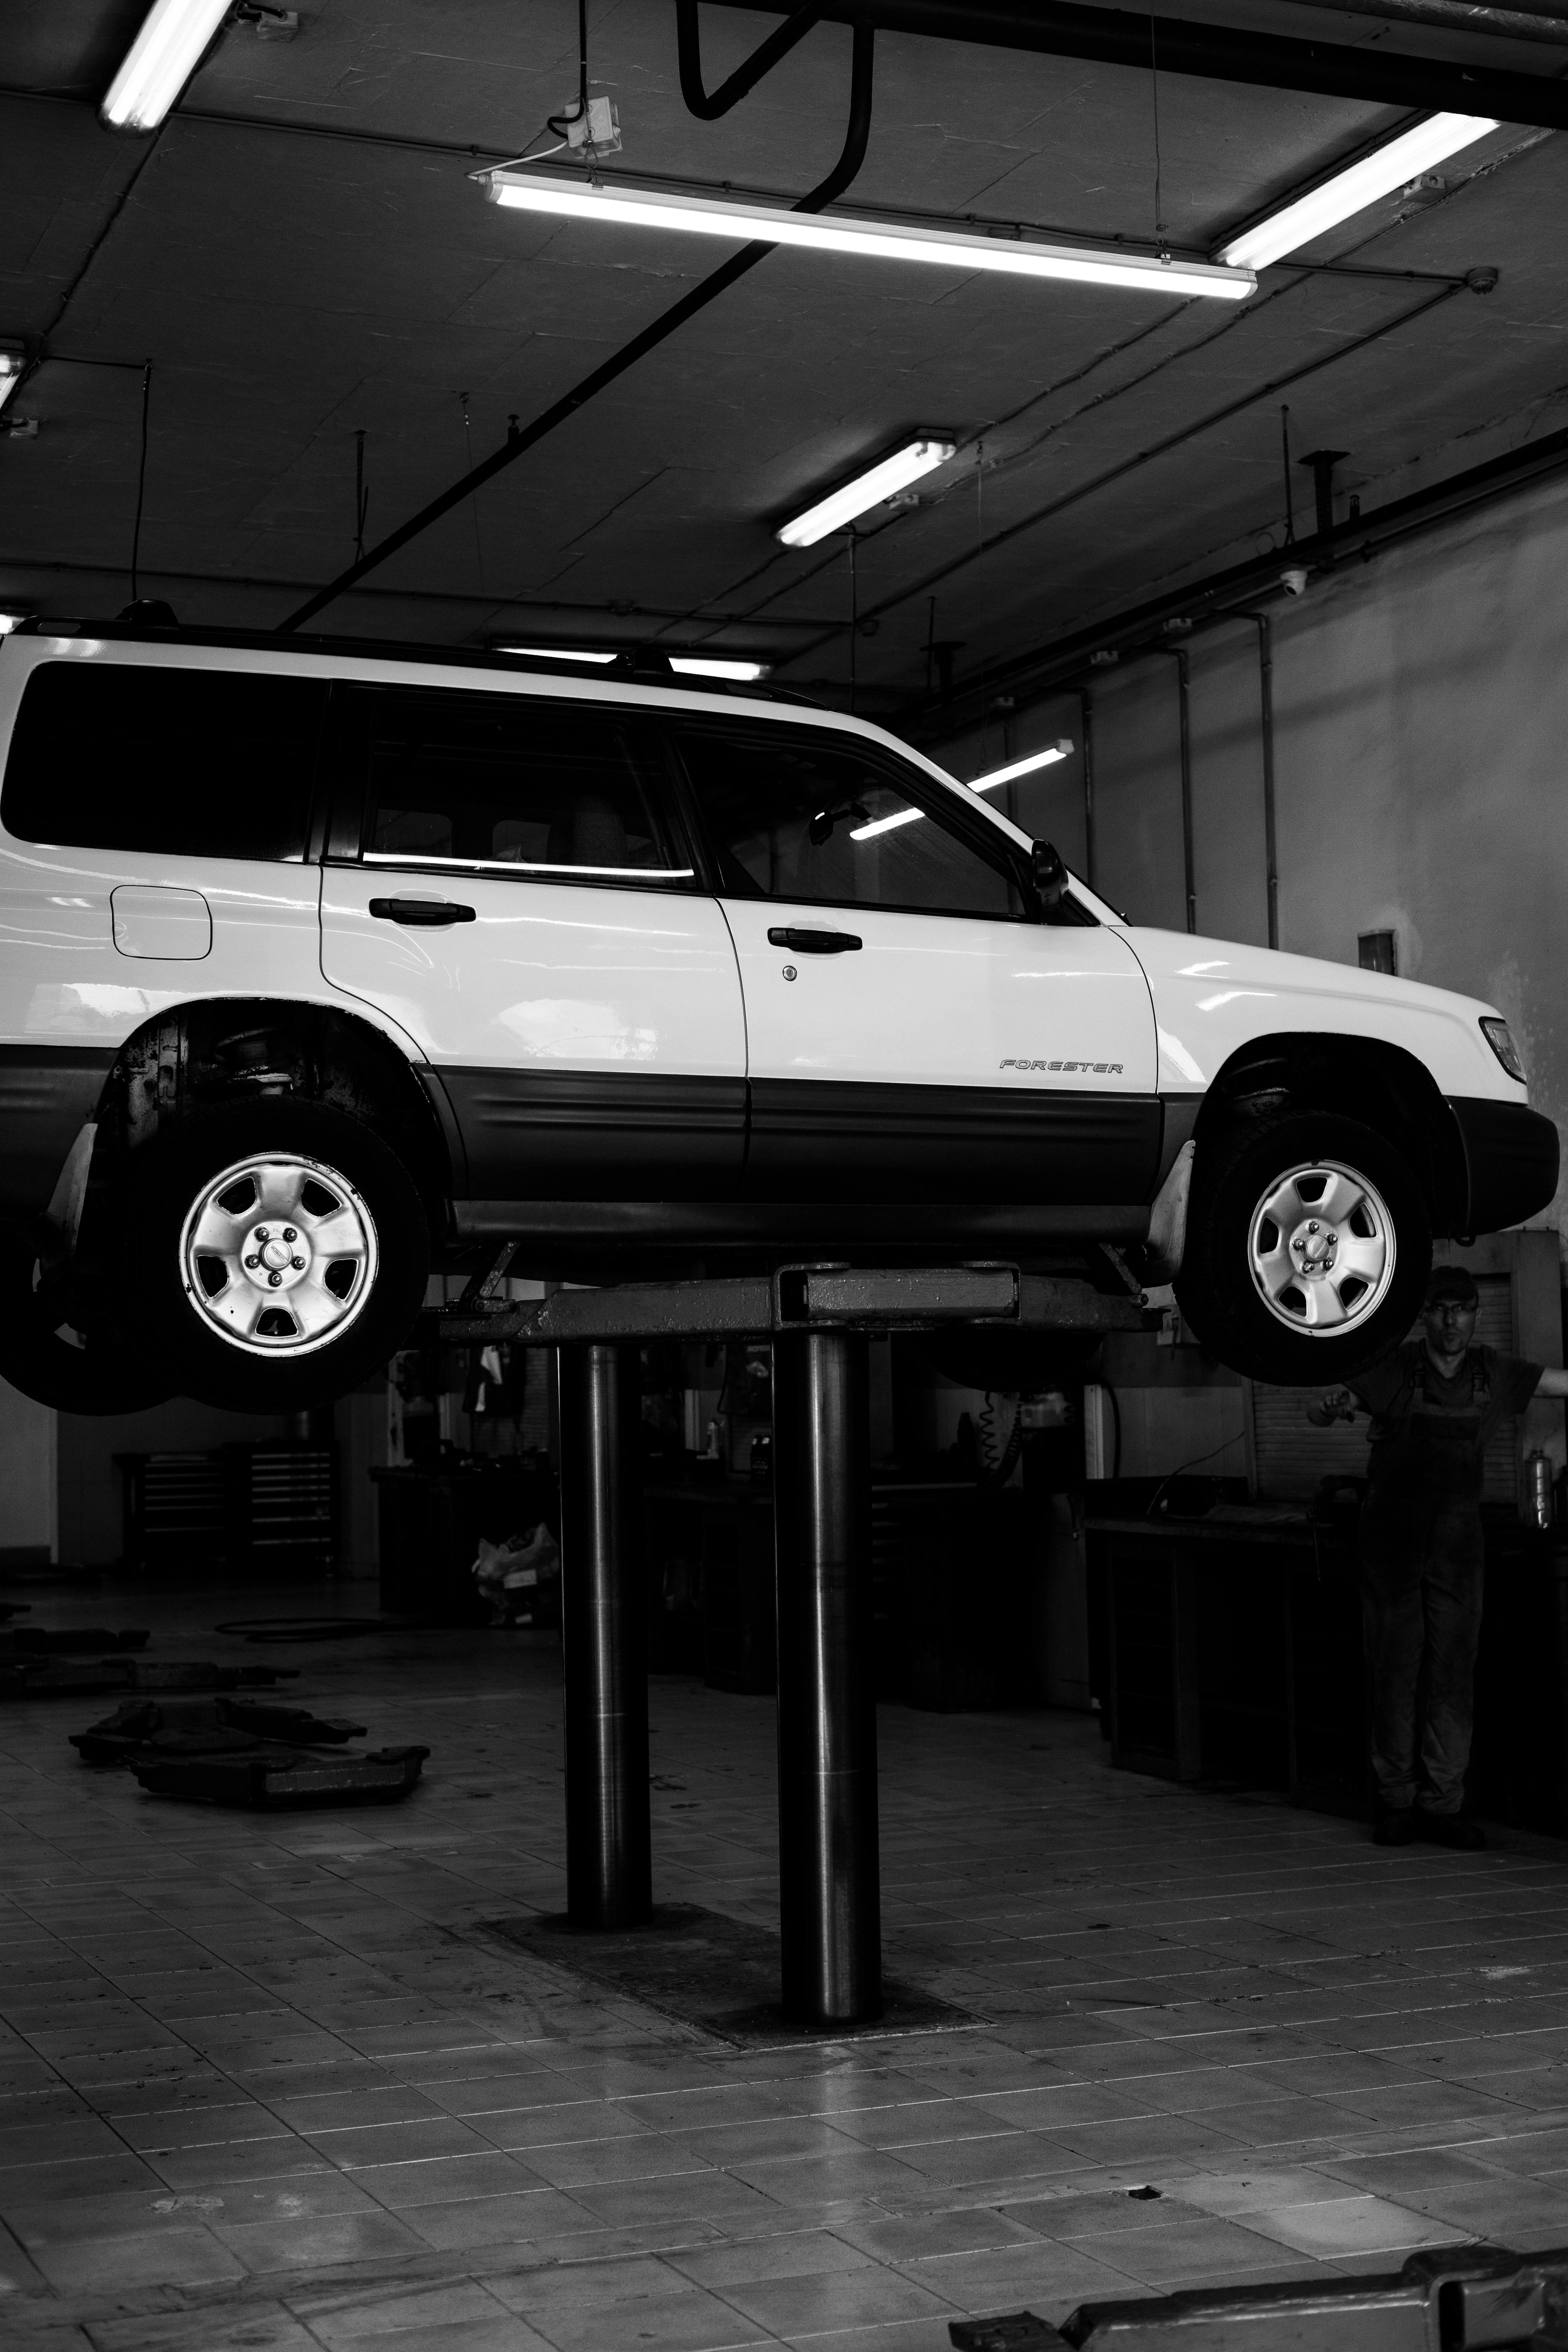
column 1435, row 1403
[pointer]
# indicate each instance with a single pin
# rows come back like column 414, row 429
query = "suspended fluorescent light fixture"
column 875, row 240
column 1061, row 749
column 557, row 652
column 160, row 62
column 743, row 673
column 1361, row 184
column 689, row 664
column 881, row 481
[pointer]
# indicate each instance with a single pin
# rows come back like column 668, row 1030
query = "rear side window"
column 187, row 763
column 550, row 792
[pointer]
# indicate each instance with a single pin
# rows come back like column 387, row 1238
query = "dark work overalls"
column 1423, row 1567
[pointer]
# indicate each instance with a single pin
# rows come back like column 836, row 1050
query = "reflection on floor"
column 268, row 2083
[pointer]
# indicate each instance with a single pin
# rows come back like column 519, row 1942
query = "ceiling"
column 301, row 255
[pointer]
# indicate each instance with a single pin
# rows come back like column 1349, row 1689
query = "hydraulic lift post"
column 603, row 1637
column 817, row 1317
column 829, row 1886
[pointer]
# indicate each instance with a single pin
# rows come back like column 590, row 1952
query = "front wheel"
column 287, row 1250
column 1308, row 1248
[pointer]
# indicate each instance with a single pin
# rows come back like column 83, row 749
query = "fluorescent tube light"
column 988, row 783
column 173, row 37
column 1351, row 191
column 160, row 62
column 881, row 481
column 876, row 240
column 556, row 652
column 742, row 672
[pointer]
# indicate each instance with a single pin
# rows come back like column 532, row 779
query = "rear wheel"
column 287, row 1250
column 1308, row 1248
column 64, row 1343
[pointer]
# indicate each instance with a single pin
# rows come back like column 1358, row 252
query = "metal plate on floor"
column 718, row 1974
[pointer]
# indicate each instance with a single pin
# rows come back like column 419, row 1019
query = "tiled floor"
column 268, row 2083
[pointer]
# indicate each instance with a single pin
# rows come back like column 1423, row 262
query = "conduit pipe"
column 1265, row 726
column 1118, row 36
column 1182, row 660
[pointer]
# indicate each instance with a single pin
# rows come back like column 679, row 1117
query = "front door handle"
column 426, row 913
column 813, row 942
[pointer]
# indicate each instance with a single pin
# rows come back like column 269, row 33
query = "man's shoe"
column 1394, row 1825
column 1456, row 1829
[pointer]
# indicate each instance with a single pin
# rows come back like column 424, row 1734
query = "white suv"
column 322, row 961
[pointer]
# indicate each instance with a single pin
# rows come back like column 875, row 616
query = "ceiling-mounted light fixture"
column 556, row 652
column 879, row 482
column 159, row 61
column 743, row 673
column 1361, row 184
column 1061, row 749
column 1020, row 257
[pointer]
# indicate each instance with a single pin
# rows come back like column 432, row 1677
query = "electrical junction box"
column 600, row 128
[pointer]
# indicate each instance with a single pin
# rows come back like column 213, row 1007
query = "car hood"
column 1212, row 996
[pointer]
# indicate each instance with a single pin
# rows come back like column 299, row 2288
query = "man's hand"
column 1334, row 1404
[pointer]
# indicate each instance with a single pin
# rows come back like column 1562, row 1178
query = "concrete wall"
column 1421, row 713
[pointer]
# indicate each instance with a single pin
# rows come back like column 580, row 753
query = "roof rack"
column 644, row 665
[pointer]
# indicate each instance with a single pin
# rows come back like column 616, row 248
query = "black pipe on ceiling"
column 1070, row 659
column 1461, row 16
column 1068, row 29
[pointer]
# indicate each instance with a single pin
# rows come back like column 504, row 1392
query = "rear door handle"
column 426, row 913
column 813, row 942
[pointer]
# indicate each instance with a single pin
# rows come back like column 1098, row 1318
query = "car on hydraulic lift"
column 323, row 963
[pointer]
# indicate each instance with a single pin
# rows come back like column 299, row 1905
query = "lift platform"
column 818, row 1318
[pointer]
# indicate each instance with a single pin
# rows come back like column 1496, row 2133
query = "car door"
column 917, row 1028
column 507, row 880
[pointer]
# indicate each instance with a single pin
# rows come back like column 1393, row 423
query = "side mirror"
column 1050, row 875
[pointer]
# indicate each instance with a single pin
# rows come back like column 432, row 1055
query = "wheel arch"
column 233, row 1049
column 1385, row 1087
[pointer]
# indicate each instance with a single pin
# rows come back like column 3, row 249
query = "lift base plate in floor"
column 714, row 1972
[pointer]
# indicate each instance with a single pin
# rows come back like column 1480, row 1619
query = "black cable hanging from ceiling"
column 521, row 438
column 763, row 59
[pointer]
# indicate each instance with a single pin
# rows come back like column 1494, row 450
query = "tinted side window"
column 563, row 792
column 792, row 814
column 191, row 762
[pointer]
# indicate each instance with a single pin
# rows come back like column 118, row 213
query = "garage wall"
column 1421, row 756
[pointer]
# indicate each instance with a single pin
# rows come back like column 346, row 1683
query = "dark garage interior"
column 781, row 1042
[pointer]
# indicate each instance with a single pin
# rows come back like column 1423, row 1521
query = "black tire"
column 53, row 1360
column 1327, row 1321
column 344, row 1232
